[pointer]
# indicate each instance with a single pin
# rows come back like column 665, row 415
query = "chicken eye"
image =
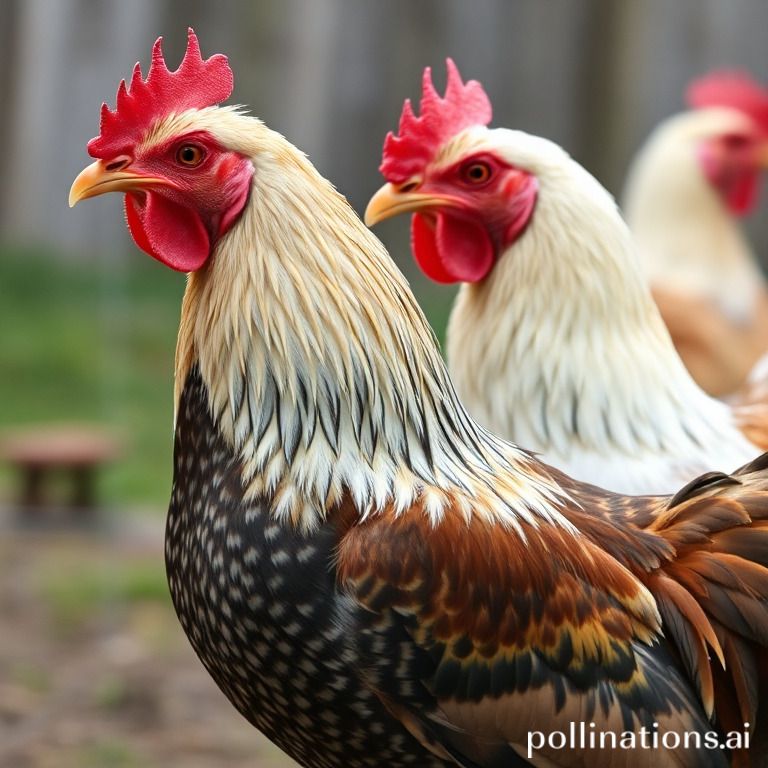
column 477, row 172
column 735, row 140
column 190, row 155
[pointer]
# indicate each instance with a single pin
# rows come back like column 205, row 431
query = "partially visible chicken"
column 554, row 340
column 696, row 175
column 371, row 577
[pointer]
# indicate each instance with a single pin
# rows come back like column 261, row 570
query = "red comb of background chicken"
column 195, row 84
column 730, row 89
column 441, row 118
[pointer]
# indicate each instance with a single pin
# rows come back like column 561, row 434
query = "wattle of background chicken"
column 696, row 175
column 554, row 341
column 369, row 576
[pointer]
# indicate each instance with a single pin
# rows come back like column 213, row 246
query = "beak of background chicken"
column 96, row 179
column 391, row 200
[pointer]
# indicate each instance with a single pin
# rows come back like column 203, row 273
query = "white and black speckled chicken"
column 371, row 577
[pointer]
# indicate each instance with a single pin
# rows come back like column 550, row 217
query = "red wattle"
column 424, row 247
column 741, row 194
column 450, row 249
column 737, row 186
column 167, row 231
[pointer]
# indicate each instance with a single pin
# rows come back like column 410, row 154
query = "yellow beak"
column 390, row 201
column 96, row 180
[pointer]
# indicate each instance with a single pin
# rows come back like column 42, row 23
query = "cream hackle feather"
column 563, row 350
column 692, row 246
column 322, row 372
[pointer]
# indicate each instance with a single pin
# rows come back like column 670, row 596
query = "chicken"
column 554, row 340
column 696, row 175
column 371, row 577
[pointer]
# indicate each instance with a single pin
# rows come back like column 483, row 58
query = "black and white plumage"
column 261, row 606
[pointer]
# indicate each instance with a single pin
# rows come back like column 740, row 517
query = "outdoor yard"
column 560, row 167
column 94, row 341
column 95, row 671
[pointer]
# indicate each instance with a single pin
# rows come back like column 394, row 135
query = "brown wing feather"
column 518, row 635
column 691, row 631
column 711, row 578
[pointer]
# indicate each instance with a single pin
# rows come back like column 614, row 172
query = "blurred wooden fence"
column 594, row 75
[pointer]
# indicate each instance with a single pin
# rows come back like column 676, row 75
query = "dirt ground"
column 95, row 671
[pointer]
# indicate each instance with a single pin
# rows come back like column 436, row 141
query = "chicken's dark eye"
column 477, row 172
column 735, row 140
column 190, row 155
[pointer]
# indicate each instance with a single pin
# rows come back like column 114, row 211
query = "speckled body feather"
column 261, row 606
column 344, row 657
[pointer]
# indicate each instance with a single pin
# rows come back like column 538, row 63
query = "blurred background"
column 94, row 670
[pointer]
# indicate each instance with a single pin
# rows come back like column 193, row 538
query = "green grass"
column 110, row 754
column 30, row 676
column 93, row 341
column 75, row 593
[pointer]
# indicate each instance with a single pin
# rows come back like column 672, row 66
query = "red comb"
column 737, row 90
column 463, row 106
column 196, row 83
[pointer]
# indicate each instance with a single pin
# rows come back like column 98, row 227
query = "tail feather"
column 691, row 631
column 703, row 555
column 717, row 581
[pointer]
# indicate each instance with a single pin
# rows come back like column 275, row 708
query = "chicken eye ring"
column 477, row 172
column 190, row 155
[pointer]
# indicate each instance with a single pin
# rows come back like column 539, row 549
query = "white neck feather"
column 322, row 372
column 563, row 350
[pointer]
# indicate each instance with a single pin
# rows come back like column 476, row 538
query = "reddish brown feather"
column 718, row 351
column 691, row 631
column 752, row 417
column 699, row 555
column 505, row 595
column 738, row 682
column 716, row 583
column 689, row 609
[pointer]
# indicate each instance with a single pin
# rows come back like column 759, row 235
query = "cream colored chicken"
column 694, row 178
column 554, row 341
